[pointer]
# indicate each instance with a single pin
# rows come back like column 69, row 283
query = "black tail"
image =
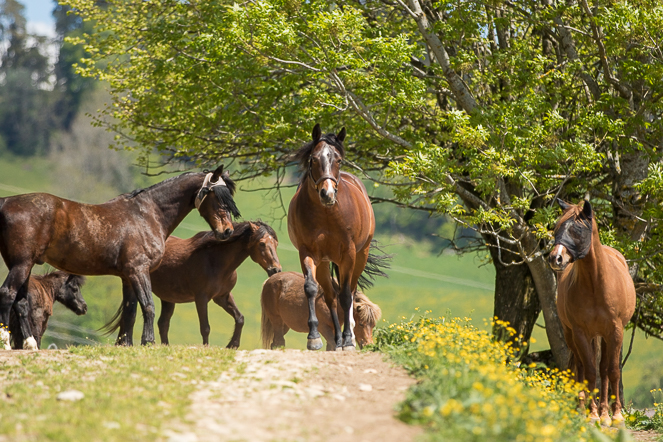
column 374, row 267
column 114, row 324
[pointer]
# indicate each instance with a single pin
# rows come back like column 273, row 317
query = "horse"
column 43, row 291
column 285, row 307
column 595, row 299
column 125, row 237
column 330, row 219
column 200, row 269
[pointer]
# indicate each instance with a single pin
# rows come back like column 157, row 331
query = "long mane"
column 369, row 313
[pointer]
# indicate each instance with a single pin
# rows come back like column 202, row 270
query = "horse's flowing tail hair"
column 375, row 266
column 266, row 327
column 114, row 324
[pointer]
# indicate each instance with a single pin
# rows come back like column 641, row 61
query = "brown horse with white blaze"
column 124, row 237
column 595, row 299
column 330, row 220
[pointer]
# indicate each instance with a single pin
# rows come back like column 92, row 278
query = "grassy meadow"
column 420, row 279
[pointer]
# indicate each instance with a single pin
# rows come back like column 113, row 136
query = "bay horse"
column 330, row 220
column 595, row 299
column 201, row 269
column 285, row 307
column 43, row 291
column 124, row 237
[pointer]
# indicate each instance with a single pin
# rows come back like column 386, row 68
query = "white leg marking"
column 352, row 324
column 4, row 337
column 30, row 344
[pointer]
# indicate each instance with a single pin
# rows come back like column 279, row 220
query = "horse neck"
column 236, row 252
column 590, row 265
column 174, row 201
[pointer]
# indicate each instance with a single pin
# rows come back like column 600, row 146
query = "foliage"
column 638, row 420
column 122, row 386
column 485, row 111
column 469, row 391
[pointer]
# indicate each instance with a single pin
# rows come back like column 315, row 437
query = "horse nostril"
column 558, row 259
column 227, row 233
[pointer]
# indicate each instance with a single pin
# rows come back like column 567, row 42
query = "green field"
column 421, row 279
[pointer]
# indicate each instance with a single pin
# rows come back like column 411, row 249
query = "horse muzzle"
column 273, row 271
column 222, row 236
column 327, row 198
column 559, row 258
column 81, row 310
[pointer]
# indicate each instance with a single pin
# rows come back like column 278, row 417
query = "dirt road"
column 296, row 395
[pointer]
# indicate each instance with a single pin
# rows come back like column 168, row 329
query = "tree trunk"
column 516, row 301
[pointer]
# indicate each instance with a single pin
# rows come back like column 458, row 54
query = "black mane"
column 302, row 154
column 153, row 186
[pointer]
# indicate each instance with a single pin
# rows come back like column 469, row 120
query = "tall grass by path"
column 469, row 391
column 130, row 393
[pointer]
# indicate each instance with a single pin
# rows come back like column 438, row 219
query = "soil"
column 300, row 396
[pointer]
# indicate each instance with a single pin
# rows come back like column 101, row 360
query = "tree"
column 483, row 110
column 26, row 113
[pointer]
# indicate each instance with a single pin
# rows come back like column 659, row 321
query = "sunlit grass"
column 130, row 393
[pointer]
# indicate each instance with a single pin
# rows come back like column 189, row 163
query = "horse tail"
column 375, row 266
column 266, row 326
column 114, row 324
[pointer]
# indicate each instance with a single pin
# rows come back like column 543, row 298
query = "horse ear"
column 217, row 173
column 317, row 133
column 563, row 205
column 341, row 135
column 587, row 210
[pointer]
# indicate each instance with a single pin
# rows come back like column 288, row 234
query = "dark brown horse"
column 124, row 237
column 201, row 269
column 285, row 307
column 330, row 220
column 595, row 301
column 43, row 291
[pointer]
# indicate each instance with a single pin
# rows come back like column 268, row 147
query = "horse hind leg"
column 331, row 299
column 588, row 361
column 16, row 279
column 128, row 318
column 203, row 318
column 142, row 288
column 22, row 311
column 167, row 310
column 227, row 302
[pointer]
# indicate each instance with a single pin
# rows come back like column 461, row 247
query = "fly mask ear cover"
column 205, row 189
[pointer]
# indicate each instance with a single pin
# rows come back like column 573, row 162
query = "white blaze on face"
column 557, row 250
column 328, row 185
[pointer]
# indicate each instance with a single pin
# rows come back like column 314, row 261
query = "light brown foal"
column 595, row 299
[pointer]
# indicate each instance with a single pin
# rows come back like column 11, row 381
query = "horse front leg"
column 614, row 345
column 346, row 271
column 227, row 302
column 203, row 318
column 167, row 310
column 588, row 360
column 314, row 341
column 604, row 412
column 22, row 311
column 17, row 278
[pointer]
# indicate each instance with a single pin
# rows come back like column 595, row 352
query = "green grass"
column 130, row 393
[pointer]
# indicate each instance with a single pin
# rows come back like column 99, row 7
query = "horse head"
column 69, row 294
column 367, row 314
column 217, row 211
column 573, row 235
column 263, row 247
column 323, row 158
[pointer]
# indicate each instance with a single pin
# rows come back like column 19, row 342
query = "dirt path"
column 294, row 395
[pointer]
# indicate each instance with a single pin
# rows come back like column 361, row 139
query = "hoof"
column 618, row 422
column 314, row 344
column 593, row 420
column 349, row 348
column 606, row 421
column 30, row 344
column 4, row 337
